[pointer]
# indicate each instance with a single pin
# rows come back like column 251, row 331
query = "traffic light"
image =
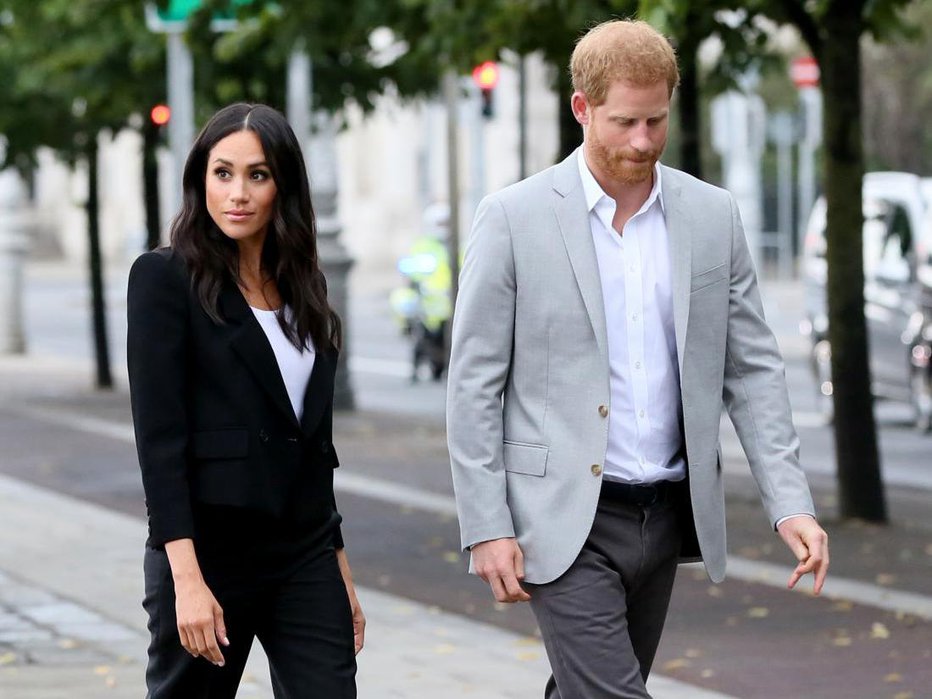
column 485, row 75
column 160, row 114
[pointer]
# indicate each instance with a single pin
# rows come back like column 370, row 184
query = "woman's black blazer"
column 213, row 421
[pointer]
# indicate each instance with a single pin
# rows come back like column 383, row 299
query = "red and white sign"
column 805, row 71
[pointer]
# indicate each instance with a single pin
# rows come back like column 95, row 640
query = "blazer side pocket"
column 708, row 278
column 528, row 459
column 232, row 443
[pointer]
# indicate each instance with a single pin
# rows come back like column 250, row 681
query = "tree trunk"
column 689, row 115
column 570, row 130
column 860, row 485
column 101, row 350
column 150, row 183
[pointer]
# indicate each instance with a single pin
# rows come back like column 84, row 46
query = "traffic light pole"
column 181, row 100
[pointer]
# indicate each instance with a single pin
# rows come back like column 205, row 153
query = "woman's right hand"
column 199, row 615
column 200, row 621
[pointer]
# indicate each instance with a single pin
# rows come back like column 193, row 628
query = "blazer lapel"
column 573, row 222
column 251, row 344
column 319, row 391
column 680, row 241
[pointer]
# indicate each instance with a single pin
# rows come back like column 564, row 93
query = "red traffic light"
column 485, row 75
column 160, row 114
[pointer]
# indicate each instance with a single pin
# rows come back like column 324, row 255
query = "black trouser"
column 297, row 608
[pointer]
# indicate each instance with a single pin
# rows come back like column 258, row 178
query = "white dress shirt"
column 644, row 436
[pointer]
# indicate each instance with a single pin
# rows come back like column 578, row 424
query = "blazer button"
column 263, row 436
column 603, row 410
column 596, row 470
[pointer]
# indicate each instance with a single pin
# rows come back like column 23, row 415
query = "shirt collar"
column 594, row 193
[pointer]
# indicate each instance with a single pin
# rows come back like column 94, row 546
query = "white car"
column 897, row 244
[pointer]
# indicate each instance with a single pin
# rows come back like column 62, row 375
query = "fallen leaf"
column 527, row 641
column 444, row 649
column 904, row 695
column 885, row 579
column 714, row 591
column 693, row 653
column 528, row 656
column 758, row 612
column 102, row 670
column 880, row 631
column 842, row 605
column 110, row 681
column 451, row 557
column 893, row 677
column 842, row 641
column 707, row 673
column 7, row 658
column 67, row 643
column 676, row 664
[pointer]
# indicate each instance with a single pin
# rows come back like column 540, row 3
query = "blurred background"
column 813, row 113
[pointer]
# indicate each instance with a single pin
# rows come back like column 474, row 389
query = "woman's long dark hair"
column 289, row 254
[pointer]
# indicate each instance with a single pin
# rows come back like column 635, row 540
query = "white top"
column 644, row 434
column 295, row 366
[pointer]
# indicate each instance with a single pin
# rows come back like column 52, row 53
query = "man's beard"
column 624, row 165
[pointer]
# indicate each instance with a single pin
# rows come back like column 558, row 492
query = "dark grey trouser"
column 601, row 620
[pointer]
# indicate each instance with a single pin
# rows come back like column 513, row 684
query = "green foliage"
column 75, row 67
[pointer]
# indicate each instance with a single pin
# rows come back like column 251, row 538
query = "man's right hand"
column 501, row 564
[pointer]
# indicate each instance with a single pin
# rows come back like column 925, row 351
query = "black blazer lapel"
column 319, row 391
column 248, row 340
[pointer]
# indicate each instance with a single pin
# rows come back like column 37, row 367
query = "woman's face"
column 239, row 188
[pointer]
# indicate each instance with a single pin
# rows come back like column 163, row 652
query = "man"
column 608, row 309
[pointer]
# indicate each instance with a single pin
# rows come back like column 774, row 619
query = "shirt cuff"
column 783, row 519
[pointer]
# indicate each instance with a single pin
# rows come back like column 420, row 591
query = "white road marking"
column 445, row 505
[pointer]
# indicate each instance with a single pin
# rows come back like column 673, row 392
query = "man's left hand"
column 809, row 543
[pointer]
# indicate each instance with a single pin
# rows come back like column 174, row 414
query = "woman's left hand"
column 359, row 619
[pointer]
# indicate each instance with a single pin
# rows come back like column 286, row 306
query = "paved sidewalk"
column 71, row 626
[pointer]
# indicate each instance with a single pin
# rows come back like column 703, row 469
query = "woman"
column 232, row 349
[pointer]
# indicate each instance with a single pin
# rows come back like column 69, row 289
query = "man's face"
column 626, row 134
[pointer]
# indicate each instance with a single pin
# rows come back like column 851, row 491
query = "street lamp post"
column 317, row 133
column 14, row 221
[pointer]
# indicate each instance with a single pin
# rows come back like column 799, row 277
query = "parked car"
column 897, row 243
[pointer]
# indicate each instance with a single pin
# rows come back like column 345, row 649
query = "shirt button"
column 637, row 365
column 596, row 470
column 634, row 317
column 641, row 413
column 603, row 410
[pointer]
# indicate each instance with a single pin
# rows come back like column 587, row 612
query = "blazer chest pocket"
column 708, row 278
column 221, row 444
column 529, row 459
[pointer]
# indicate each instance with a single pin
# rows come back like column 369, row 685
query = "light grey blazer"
column 529, row 369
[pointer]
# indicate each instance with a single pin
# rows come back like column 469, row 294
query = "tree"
column 78, row 68
column 833, row 30
column 688, row 24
